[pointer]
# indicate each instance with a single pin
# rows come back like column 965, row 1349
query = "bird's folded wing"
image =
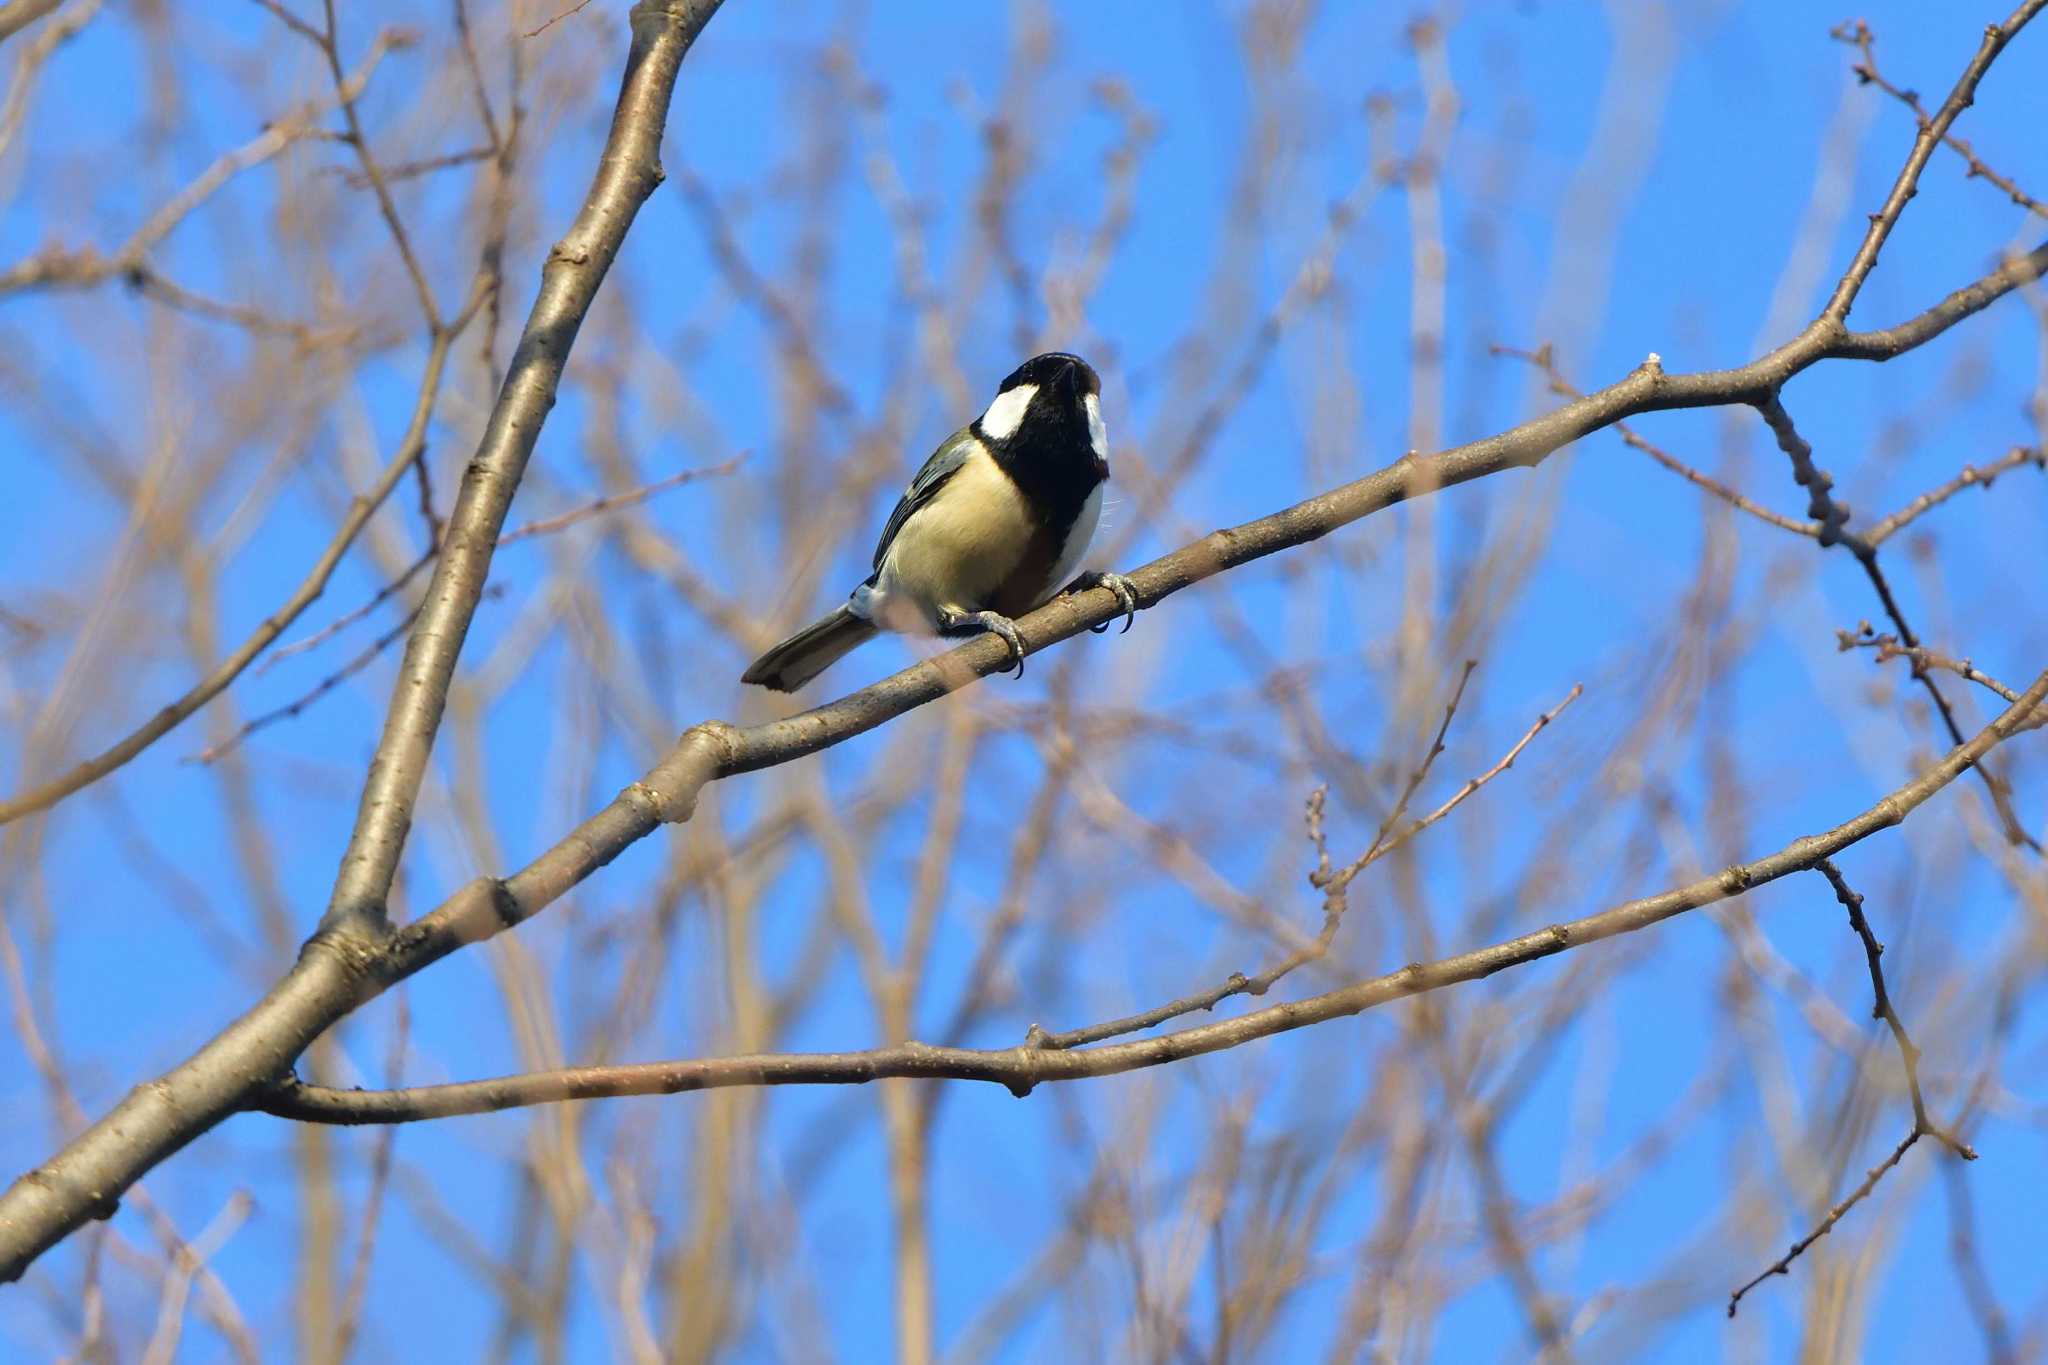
column 943, row 465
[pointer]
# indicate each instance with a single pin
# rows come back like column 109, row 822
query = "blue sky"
column 1616, row 184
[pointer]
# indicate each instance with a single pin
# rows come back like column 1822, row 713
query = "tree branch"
column 1923, row 1124
column 1022, row 1068
column 334, row 972
column 1932, row 131
column 360, row 509
column 627, row 173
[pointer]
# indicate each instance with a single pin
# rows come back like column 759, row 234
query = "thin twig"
column 1971, row 476
column 360, row 510
column 487, row 907
column 57, row 266
column 1833, row 516
column 1783, row 1265
column 612, row 502
column 330, row 47
column 609, row 503
column 1544, row 359
column 362, row 660
column 576, row 8
column 1859, row 35
column 1333, row 885
column 1923, row 1125
column 1882, row 1008
column 1865, row 636
column 347, row 618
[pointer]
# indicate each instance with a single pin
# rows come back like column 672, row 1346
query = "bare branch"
column 626, row 176
column 53, row 266
column 1859, row 35
column 361, row 509
column 1970, row 477
column 1923, row 1125
column 19, row 14
column 1783, row 1265
column 545, row 526
column 88, row 1178
column 1882, row 1008
column 1022, row 1068
column 1545, row 359
column 1832, row 517
column 1996, row 36
column 1888, row 647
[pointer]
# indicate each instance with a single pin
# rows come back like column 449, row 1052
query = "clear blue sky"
column 1669, row 234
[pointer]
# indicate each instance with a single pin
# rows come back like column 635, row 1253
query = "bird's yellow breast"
column 959, row 549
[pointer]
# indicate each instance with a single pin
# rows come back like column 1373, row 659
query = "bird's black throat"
column 1051, row 462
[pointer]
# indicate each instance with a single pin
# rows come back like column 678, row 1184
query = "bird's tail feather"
column 809, row 652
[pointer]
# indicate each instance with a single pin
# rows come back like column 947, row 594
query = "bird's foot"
column 993, row 622
column 1125, row 590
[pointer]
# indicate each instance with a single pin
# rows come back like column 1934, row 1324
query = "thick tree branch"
column 19, row 14
column 335, row 971
column 627, row 173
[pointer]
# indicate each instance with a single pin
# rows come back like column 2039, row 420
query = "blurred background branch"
column 1296, row 239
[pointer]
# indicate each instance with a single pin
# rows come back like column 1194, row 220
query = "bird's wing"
column 943, row 465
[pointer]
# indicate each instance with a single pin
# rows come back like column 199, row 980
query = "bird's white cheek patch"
column 1098, row 435
column 1006, row 414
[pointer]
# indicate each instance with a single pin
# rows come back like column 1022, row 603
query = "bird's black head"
column 1049, row 411
column 1055, row 369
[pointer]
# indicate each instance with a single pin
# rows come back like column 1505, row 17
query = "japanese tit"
column 994, row 523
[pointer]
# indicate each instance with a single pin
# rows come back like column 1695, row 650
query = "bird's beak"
column 1071, row 384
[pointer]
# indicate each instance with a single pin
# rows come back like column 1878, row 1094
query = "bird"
column 993, row 524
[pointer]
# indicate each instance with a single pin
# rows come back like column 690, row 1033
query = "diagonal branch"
column 1022, row 1068
column 627, row 173
column 1932, row 131
column 54, row 266
column 360, row 510
column 1832, row 517
column 333, row 973
column 19, row 14
column 1858, row 34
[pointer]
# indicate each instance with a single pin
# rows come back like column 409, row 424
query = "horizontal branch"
column 1021, row 1068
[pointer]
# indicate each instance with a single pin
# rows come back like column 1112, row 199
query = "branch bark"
column 1022, row 1068
column 334, row 973
column 627, row 174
